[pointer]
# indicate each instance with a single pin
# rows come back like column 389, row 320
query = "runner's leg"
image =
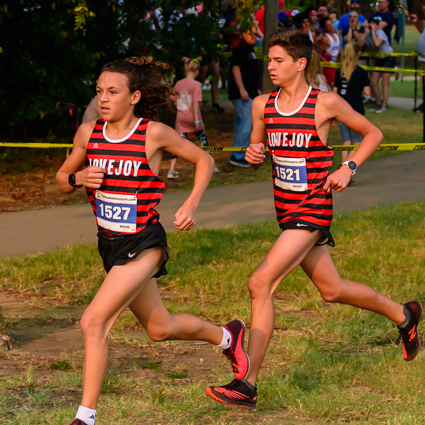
column 162, row 326
column 285, row 255
column 319, row 267
column 120, row 288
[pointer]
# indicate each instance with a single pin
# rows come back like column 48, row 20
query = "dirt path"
column 390, row 180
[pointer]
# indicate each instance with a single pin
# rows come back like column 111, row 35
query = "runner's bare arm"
column 255, row 151
column 91, row 176
column 161, row 136
column 331, row 106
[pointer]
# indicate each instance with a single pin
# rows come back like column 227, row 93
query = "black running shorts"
column 118, row 250
column 300, row 224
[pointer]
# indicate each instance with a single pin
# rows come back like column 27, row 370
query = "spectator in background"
column 421, row 42
column 334, row 18
column 281, row 17
column 291, row 15
column 209, row 62
column 243, row 87
column 314, row 74
column 301, row 22
column 421, row 48
column 259, row 21
column 377, row 41
column 344, row 22
column 356, row 32
column 322, row 12
column 384, row 17
column 350, row 82
column 189, row 118
column 312, row 16
column 230, row 29
column 329, row 48
column 92, row 111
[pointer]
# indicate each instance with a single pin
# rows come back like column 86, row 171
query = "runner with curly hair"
column 124, row 150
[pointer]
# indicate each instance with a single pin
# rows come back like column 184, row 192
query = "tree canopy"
column 53, row 51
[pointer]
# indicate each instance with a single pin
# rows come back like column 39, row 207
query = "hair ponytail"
column 350, row 59
column 144, row 75
column 191, row 65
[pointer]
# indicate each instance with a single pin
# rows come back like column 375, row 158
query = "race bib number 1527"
column 116, row 212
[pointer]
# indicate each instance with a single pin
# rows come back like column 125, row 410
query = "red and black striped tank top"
column 300, row 162
column 130, row 191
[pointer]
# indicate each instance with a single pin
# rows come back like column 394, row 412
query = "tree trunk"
column 7, row 342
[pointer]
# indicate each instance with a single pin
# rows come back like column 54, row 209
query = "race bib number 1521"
column 290, row 173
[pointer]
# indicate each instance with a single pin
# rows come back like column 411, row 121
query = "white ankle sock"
column 226, row 342
column 86, row 415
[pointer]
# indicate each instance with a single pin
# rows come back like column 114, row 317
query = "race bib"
column 290, row 173
column 116, row 212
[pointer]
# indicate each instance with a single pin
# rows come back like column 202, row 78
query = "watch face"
column 352, row 165
column 71, row 179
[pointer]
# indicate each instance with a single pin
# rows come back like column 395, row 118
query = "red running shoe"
column 236, row 393
column 78, row 422
column 236, row 352
column 410, row 333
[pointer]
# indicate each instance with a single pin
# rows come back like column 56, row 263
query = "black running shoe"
column 236, row 352
column 78, row 422
column 410, row 334
column 217, row 108
column 236, row 393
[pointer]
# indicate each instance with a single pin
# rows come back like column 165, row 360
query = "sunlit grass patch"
column 326, row 364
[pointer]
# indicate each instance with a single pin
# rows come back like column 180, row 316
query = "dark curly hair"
column 144, row 74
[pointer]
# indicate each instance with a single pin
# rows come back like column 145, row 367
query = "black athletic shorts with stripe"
column 118, row 250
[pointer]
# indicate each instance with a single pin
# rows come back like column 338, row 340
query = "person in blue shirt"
column 344, row 22
column 385, row 16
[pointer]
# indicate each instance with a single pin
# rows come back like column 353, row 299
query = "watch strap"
column 72, row 182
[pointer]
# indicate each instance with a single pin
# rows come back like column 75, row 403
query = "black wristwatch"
column 71, row 181
column 352, row 166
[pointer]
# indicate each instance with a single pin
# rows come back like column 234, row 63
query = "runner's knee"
column 160, row 332
column 258, row 286
column 92, row 327
column 331, row 294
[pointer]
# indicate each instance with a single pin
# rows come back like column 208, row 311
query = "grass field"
column 406, row 88
column 327, row 363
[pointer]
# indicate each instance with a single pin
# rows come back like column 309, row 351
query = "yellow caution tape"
column 373, row 68
column 36, row 145
column 380, row 68
column 384, row 147
column 379, row 54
